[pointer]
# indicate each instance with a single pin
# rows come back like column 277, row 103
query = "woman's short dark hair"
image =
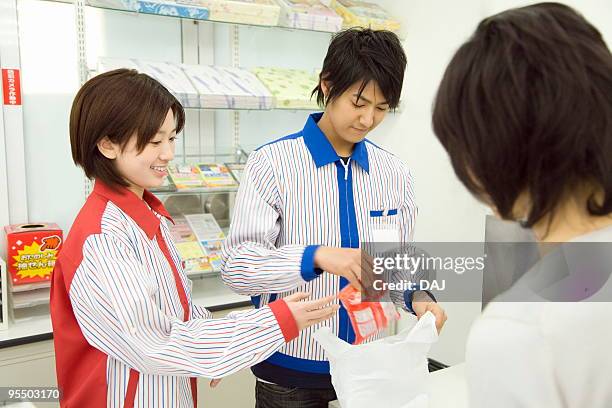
column 525, row 106
column 362, row 54
column 117, row 104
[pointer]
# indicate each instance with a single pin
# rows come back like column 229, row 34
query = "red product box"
column 32, row 251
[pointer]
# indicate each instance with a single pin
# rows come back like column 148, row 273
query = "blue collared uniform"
column 297, row 194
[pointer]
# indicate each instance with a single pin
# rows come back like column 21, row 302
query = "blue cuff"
column 309, row 272
column 408, row 295
column 408, row 300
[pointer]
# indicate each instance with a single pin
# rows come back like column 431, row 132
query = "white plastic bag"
column 391, row 372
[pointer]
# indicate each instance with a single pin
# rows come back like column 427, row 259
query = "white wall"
column 434, row 29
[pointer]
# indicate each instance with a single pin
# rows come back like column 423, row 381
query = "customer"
column 125, row 330
column 525, row 113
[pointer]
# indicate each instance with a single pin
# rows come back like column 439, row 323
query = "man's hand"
column 422, row 303
column 345, row 262
column 308, row 313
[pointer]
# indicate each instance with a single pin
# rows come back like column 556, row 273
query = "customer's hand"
column 422, row 303
column 345, row 262
column 311, row 312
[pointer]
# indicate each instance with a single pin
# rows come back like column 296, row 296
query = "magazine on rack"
column 196, row 260
column 216, row 175
column 210, row 236
column 237, row 169
column 185, row 176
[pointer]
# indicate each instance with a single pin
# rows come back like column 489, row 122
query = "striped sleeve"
column 407, row 219
column 200, row 312
column 113, row 298
column 252, row 264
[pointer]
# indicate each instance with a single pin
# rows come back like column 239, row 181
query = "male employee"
column 307, row 201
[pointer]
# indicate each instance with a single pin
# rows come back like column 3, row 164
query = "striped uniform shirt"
column 125, row 331
column 296, row 194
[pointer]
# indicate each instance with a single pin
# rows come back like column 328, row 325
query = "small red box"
column 32, row 251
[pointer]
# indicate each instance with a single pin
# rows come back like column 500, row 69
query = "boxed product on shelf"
column 160, row 7
column 291, row 88
column 185, row 176
column 228, row 88
column 169, row 74
column 256, row 12
column 173, row 78
column 310, row 15
column 357, row 13
column 32, row 251
column 216, row 175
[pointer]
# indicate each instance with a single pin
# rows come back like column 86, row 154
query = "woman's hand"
column 311, row 312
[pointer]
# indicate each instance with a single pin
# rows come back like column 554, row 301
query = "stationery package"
column 160, row 7
column 291, row 88
column 201, row 86
column 169, row 74
column 227, row 87
column 256, row 12
column 357, row 13
column 310, row 15
column 172, row 77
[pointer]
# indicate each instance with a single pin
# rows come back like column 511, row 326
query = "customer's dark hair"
column 525, row 106
column 363, row 55
column 117, row 104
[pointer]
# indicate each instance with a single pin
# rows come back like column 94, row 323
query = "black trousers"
column 276, row 396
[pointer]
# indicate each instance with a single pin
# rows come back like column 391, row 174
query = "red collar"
column 134, row 207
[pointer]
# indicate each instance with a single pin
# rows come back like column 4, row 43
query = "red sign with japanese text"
column 11, row 86
column 32, row 251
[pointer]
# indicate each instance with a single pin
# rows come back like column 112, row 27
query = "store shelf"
column 31, row 298
column 37, row 328
column 254, row 110
column 29, row 286
column 207, row 20
column 215, row 190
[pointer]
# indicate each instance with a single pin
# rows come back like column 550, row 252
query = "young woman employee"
column 126, row 332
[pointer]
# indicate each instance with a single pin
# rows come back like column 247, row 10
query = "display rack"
column 180, row 15
column 197, row 48
column 30, row 309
